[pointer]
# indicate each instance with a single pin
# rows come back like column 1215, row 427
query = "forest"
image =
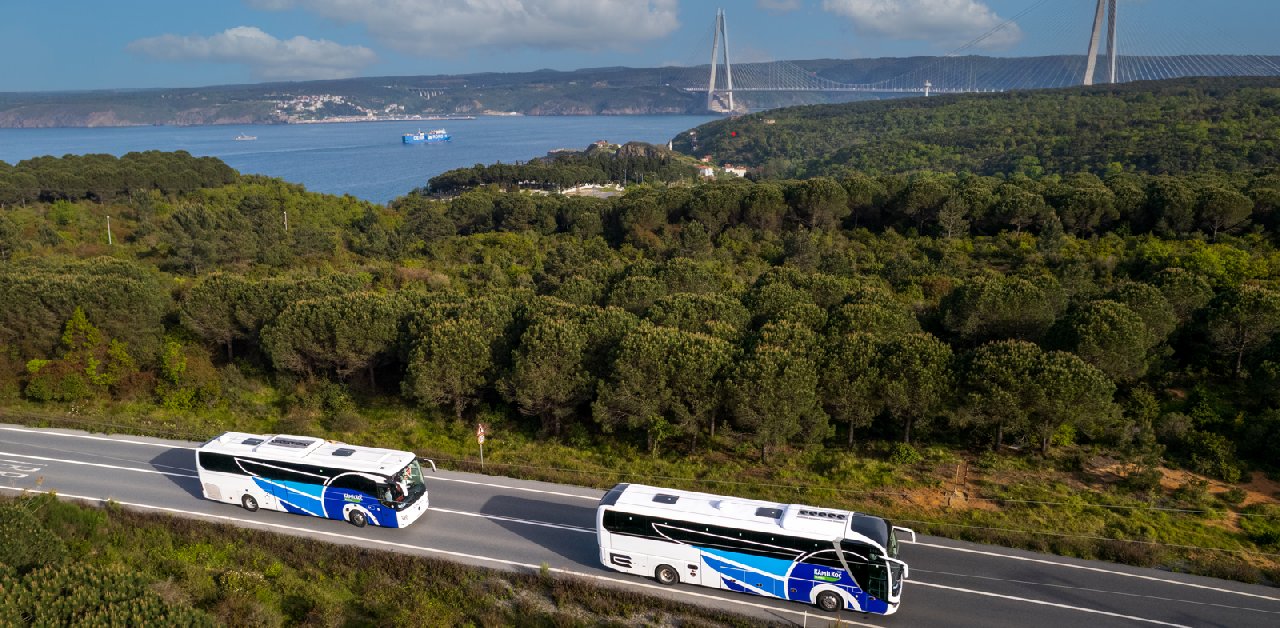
column 1154, row 127
column 902, row 317
column 634, row 162
column 789, row 312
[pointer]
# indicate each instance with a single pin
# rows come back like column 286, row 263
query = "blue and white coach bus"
column 835, row 559
column 312, row 476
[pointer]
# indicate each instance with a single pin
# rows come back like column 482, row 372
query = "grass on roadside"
column 190, row 572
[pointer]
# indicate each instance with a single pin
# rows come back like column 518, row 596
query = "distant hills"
column 593, row 91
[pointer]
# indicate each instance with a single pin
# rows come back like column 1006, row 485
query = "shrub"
column 1261, row 523
column 904, row 454
column 1193, row 495
column 1234, row 496
column 1064, row 436
column 1143, row 481
column 1213, row 455
column 86, row 595
column 24, row 541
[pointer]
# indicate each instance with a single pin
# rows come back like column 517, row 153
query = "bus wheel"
column 666, row 575
column 358, row 518
column 829, row 601
column 250, row 504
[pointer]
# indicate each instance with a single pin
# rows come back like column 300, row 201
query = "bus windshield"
column 404, row 487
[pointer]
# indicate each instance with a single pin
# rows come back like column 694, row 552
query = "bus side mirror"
column 906, row 571
column 906, row 531
column 433, row 465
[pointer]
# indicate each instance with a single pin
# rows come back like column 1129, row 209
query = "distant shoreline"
column 339, row 119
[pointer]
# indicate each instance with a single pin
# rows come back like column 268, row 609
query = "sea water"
column 364, row 159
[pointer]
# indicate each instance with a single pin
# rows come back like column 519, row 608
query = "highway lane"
column 508, row 523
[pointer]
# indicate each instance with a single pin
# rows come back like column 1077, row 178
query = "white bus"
column 835, row 559
column 312, row 476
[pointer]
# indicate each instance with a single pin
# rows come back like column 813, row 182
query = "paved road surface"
column 516, row 524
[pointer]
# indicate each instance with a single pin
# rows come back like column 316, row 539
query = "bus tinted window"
column 353, row 482
column 220, row 463
column 825, row 558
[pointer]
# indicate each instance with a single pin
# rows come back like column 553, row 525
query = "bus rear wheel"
column 666, row 575
column 250, row 504
column 358, row 518
column 829, row 601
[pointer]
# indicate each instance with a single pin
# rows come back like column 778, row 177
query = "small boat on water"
column 244, row 138
column 424, row 137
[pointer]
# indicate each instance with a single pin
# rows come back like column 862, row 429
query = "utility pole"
column 721, row 32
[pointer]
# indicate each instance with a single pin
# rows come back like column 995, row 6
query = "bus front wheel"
column 829, row 601
column 358, row 518
column 250, row 504
column 666, row 575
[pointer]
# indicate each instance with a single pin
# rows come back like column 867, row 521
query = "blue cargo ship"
column 424, row 137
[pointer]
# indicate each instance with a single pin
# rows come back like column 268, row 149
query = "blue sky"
column 98, row 44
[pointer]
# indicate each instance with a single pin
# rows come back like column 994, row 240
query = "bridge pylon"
column 1091, row 57
column 721, row 36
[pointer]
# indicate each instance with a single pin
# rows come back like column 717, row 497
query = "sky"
column 55, row 45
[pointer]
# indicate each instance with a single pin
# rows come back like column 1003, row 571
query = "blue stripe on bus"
column 315, row 500
column 782, row 578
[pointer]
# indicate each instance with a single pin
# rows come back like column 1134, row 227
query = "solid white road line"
column 1054, row 563
column 91, row 437
column 1094, row 590
column 98, row 464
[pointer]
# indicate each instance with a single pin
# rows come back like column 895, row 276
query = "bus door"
column 868, row 569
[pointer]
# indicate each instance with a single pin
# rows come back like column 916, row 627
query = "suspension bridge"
column 1104, row 35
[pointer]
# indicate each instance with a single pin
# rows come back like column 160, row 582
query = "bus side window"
column 825, row 558
column 221, row 463
column 353, row 482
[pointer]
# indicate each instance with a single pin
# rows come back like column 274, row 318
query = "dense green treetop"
column 1172, row 127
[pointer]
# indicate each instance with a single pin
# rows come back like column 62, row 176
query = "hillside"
column 1164, row 127
column 863, row 337
column 589, row 91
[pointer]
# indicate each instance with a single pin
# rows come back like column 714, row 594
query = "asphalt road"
column 521, row 525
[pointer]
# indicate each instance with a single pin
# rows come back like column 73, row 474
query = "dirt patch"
column 1260, row 489
column 934, row 499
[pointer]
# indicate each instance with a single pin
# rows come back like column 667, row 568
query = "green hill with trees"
column 1165, row 127
column 859, row 339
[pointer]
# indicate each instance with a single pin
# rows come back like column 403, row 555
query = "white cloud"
column 299, row 58
column 270, row 5
column 451, row 27
column 944, row 22
column 778, row 6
